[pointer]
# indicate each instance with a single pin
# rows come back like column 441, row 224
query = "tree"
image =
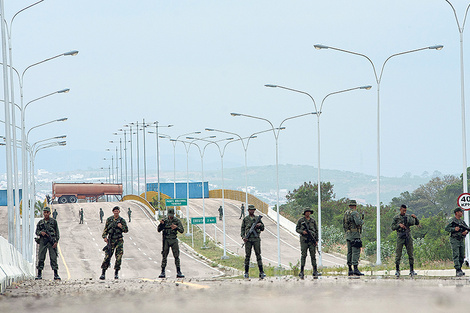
column 307, row 194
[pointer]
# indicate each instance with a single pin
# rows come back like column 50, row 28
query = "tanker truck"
column 71, row 192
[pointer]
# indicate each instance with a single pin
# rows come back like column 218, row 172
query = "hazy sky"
column 191, row 63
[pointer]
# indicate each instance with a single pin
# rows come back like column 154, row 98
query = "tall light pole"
column 276, row 137
column 319, row 112
column 201, row 153
column 132, row 172
column 462, row 108
column 125, row 157
column 120, row 153
column 378, row 78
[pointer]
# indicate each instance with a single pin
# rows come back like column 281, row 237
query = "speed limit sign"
column 463, row 201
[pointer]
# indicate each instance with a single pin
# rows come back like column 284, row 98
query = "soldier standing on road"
column 48, row 232
column 252, row 240
column 112, row 235
column 401, row 223
column 54, row 214
column 352, row 225
column 81, row 216
column 458, row 229
column 308, row 230
column 170, row 226
column 101, row 215
column 242, row 211
column 129, row 212
column 221, row 213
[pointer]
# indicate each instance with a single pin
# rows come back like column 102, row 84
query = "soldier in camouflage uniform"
column 112, row 235
column 80, row 213
column 352, row 225
column 458, row 229
column 170, row 226
column 308, row 242
column 48, row 232
column 252, row 240
column 54, row 214
column 401, row 223
column 101, row 215
column 129, row 212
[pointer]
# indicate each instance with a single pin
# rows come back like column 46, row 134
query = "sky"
column 192, row 63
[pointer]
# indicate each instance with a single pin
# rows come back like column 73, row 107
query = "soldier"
column 221, row 213
column 242, row 211
column 81, row 216
column 54, row 214
column 129, row 212
column 458, row 229
column 101, row 215
column 352, row 225
column 401, row 223
column 112, row 235
column 48, row 232
column 170, row 226
column 308, row 230
column 252, row 239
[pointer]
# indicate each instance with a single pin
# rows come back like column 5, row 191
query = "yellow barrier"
column 140, row 199
column 240, row 196
column 154, row 195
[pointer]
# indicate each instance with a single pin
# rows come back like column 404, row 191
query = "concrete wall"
column 13, row 267
column 284, row 222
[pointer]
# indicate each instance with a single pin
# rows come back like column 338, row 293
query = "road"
column 290, row 246
column 81, row 245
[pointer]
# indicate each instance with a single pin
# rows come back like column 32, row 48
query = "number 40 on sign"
column 464, row 201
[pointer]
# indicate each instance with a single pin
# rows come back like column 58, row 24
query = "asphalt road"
column 290, row 246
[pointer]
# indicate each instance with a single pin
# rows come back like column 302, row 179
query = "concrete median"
column 13, row 267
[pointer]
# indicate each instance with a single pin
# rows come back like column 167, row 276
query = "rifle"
column 50, row 239
column 310, row 236
column 108, row 246
column 462, row 227
column 252, row 229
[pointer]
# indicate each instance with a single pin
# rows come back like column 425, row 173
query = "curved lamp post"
column 378, row 78
column 319, row 112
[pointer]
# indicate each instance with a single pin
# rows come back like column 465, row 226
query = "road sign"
column 176, row 202
column 463, row 201
column 198, row 220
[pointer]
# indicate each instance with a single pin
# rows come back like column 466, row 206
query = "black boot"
column 162, row 275
column 350, row 270
column 56, row 275
column 116, row 274
column 315, row 272
column 412, row 272
column 178, row 273
column 261, row 272
column 301, row 274
column 247, row 270
column 397, row 271
column 39, row 275
column 356, row 271
column 103, row 273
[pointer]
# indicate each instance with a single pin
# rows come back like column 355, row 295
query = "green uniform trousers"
column 310, row 247
column 42, row 256
column 175, row 249
column 353, row 254
column 458, row 251
column 409, row 249
column 256, row 245
column 117, row 245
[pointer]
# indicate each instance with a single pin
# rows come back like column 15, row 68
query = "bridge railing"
column 240, row 196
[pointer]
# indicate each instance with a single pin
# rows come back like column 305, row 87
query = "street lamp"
column 132, row 171
column 378, row 78
column 462, row 106
column 319, row 112
column 276, row 137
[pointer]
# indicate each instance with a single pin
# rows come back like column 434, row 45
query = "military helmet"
column 46, row 209
column 352, row 203
column 251, row 207
column 458, row 210
column 115, row 208
column 308, row 210
column 171, row 212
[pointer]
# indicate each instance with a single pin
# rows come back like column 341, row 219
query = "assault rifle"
column 50, row 239
column 252, row 229
column 108, row 246
column 310, row 236
column 462, row 227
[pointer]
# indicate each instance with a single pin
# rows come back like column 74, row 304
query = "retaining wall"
column 13, row 267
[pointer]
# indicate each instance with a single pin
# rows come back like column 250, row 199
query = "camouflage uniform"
column 242, row 212
column 129, row 212
column 170, row 240
column 45, row 243
column 404, row 238
column 221, row 213
column 307, row 243
column 252, row 242
column 352, row 225
column 457, row 242
column 81, row 216
column 114, row 234
column 54, row 214
column 101, row 215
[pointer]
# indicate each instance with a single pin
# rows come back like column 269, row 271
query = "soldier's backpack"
column 347, row 220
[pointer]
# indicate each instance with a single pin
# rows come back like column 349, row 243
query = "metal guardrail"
column 240, row 196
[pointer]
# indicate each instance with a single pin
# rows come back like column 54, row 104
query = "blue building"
column 195, row 190
column 3, row 197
